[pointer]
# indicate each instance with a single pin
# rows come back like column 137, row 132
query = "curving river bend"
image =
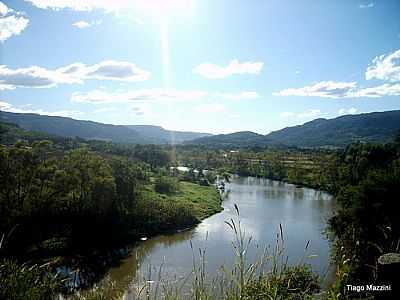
column 263, row 205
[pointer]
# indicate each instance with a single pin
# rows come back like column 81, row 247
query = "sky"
column 215, row 66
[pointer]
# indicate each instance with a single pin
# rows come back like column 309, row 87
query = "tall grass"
column 269, row 276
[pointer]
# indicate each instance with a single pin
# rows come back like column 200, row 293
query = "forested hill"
column 166, row 136
column 338, row 132
column 67, row 127
column 242, row 139
column 369, row 127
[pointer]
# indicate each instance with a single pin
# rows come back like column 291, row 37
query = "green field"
column 203, row 201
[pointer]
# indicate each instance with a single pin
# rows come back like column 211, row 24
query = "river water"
column 263, row 205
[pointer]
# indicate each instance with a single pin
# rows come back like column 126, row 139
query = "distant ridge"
column 68, row 127
column 337, row 132
column 241, row 139
column 166, row 136
column 340, row 131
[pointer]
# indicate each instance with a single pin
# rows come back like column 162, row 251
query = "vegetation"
column 298, row 166
column 163, row 136
column 268, row 277
column 367, row 223
column 166, row 185
column 294, row 282
column 67, row 197
column 67, row 127
column 334, row 133
column 364, row 179
column 71, row 198
column 27, row 282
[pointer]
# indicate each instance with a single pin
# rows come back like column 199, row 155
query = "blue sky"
column 206, row 65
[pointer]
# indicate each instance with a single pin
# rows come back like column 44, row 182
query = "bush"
column 166, row 185
column 295, row 282
column 27, row 282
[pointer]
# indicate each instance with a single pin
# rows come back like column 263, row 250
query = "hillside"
column 337, row 132
column 67, row 127
column 166, row 136
column 242, row 139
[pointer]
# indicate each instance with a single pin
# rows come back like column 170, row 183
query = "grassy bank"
column 63, row 207
column 268, row 276
column 203, row 201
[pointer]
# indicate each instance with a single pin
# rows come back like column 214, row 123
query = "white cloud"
column 349, row 111
column 210, row 108
column 81, row 24
column 101, row 96
column 85, row 24
column 302, row 115
column 11, row 22
column 3, row 9
column 336, row 90
column 115, row 6
column 35, row 77
column 4, row 106
column 140, row 109
column 212, row 71
column 378, row 91
column 81, row 5
column 106, row 70
column 287, row 114
column 104, row 109
column 368, row 5
column 118, row 7
column 385, row 67
column 238, row 96
column 310, row 113
column 325, row 89
column 38, row 77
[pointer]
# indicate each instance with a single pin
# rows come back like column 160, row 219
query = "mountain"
column 166, row 136
column 67, row 127
column 337, row 132
column 242, row 139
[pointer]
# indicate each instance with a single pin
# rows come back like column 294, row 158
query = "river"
column 263, row 205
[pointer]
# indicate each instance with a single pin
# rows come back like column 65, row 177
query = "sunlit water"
column 263, row 205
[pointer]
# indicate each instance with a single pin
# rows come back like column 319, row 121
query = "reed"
column 269, row 276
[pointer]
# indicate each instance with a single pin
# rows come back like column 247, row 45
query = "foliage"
column 67, row 127
column 268, row 277
column 294, row 282
column 27, row 282
column 166, row 185
column 320, row 133
column 366, row 223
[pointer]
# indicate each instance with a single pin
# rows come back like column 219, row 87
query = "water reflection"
column 264, row 204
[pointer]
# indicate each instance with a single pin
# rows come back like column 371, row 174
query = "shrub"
column 166, row 185
column 294, row 282
column 27, row 282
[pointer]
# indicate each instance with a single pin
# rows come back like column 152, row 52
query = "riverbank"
column 157, row 214
column 204, row 201
column 171, row 261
